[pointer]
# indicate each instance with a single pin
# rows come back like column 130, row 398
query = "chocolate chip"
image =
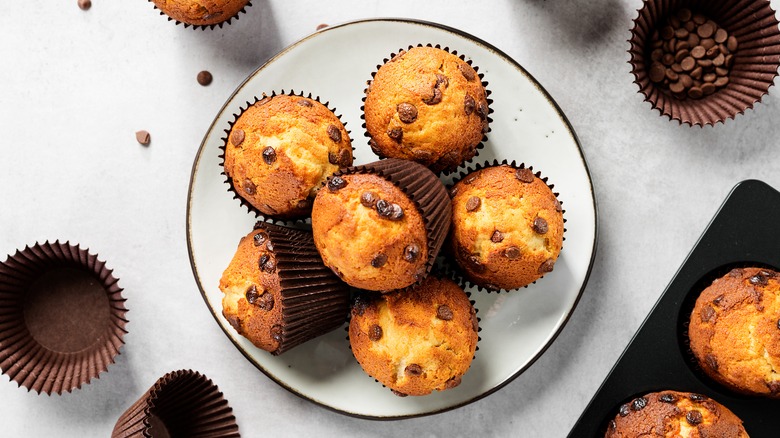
column 266, row 263
column 707, row 313
column 379, row 260
column 441, row 80
column 759, row 279
column 474, row 321
column 333, row 158
column 476, row 264
column 251, row 294
column 249, row 186
column 407, row 112
column 638, row 404
column 266, row 301
column 336, row 183
column 304, row 103
column 205, row 78
column 413, row 370
column 482, row 110
column 85, row 4
column 411, row 252
column 334, row 133
column 269, row 246
column 398, row 393
column 668, row 398
column 612, row 425
column 260, row 238
column 368, row 199
column 697, row 397
column 388, row 210
column 444, row 313
column 624, row 410
column 467, row 71
column 233, row 321
column 468, row 105
column 345, row 158
column 237, row 137
column 540, row 225
column 778, row 324
column 321, row 26
column 524, row 175
column 452, row 382
column 512, row 253
column 143, row 137
column 694, row 417
column 435, row 98
column 276, row 333
column 547, row 266
column 718, row 299
column 269, row 155
column 454, row 191
column 497, row 237
column 711, row 362
column 396, row 134
column 557, row 205
column 473, row 203
column 303, row 204
column 375, row 332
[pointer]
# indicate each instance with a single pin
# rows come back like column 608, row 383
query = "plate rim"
column 534, row 82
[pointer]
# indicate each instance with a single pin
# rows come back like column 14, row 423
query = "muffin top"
column 201, row 12
column 675, row 414
column 252, row 292
column 369, row 232
column 426, row 105
column 734, row 331
column 417, row 341
column 507, row 227
column 281, row 150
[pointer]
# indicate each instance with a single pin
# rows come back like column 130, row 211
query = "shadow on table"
column 585, row 22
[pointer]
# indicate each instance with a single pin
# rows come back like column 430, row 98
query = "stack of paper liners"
column 754, row 25
column 182, row 403
column 62, row 317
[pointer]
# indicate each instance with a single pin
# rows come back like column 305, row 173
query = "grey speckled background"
column 76, row 85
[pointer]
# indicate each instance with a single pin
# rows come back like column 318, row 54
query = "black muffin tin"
column 744, row 232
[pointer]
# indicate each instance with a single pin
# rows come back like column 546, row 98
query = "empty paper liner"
column 182, row 403
column 752, row 71
column 62, row 317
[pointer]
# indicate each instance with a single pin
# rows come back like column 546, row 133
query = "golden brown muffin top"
column 507, row 226
column 252, row 292
column 201, row 12
column 734, row 331
column 426, row 105
column 370, row 233
column 674, row 414
column 417, row 341
column 281, row 150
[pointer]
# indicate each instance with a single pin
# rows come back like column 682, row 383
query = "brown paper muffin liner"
column 424, row 189
column 314, row 300
column 227, row 21
column 450, row 266
column 755, row 65
column 182, row 403
column 481, row 76
column 231, row 187
column 62, row 317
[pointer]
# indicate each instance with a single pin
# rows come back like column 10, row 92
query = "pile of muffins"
column 372, row 252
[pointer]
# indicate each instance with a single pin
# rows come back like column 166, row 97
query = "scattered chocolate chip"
column 512, row 253
column 697, row 397
column 336, row 183
column 694, row 417
column 453, row 382
column 321, row 26
column 413, row 370
column 237, row 137
column 260, row 238
column 407, row 112
column 205, row 78
column 547, row 266
column 398, row 393
column 638, row 404
column 143, row 137
column 497, row 237
column 334, row 133
column 395, row 134
column 435, row 98
column 540, row 225
column 85, row 4
column 707, row 313
column 473, row 203
column 411, row 252
column 444, row 313
column 388, row 210
column 374, row 332
column 276, row 333
column 249, row 186
column 668, row 398
column 304, row 102
column 379, row 260
column 266, row 301
column 269, row 155
column 759, row 279
column 467, row 71
column 524, row 175
column 469, row 104
column 624, row 410
column 251, row 294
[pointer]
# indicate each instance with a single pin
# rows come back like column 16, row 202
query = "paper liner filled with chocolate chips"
column 62, row 317
column 202, row 14
column 277, row 292
column 427, row 104
column 702, row 62
column 507, row 226
column 182, row 403
column 262, row 155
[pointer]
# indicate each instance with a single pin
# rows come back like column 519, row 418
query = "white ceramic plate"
column 527, row 126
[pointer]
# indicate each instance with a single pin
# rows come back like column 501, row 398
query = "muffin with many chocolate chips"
column 675, row 414
column 379, row 226
column 280, row 150
column 277, row 292
column 201, row 12
column 507, row 226
column 418, row 341
column 426, row 105
column 734, row 331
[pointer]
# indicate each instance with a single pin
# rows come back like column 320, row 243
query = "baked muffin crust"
column 201, row 12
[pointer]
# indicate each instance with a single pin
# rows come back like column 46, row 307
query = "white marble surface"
column 76, row 85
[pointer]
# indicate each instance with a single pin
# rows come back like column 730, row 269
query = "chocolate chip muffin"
column 426, row 105
column 507, row 226
column 277, row 292
column 201, row 12
column 280, row 150
column 734, row 331
column 418, row 341
column 675, row 414
column 379, row 226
